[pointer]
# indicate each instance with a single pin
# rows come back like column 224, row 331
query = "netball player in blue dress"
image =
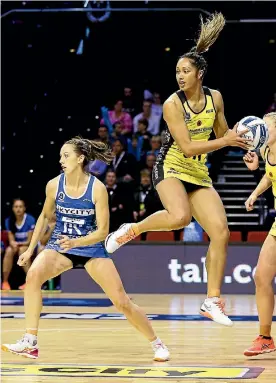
column 82, row 222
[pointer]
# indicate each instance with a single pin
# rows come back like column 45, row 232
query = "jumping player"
column 180, row 175
column 266, row 267
column 82, row 223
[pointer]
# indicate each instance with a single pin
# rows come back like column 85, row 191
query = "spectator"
column 155, row 144
column 116, row 200
column 144, row 133
column 153, row 120
column 117, row 114
column 97, row 168
column 157, row 107
column 123, row 164
column 103, row 134
column 135, row 146
column 146, row 200
column 117, row 132
column 129, row 101
column 193, row 232
column 150, row 161
column 20, row 227
column 272, row 107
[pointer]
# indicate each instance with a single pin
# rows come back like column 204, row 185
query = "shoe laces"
column 158, row 346
column 127, row 236
column 221, row 305
column 23, row 340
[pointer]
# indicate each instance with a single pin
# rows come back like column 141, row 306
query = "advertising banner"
column 172, row 269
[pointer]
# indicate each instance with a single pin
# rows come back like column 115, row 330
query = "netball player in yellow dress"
column 266, row 267
column 180, row 174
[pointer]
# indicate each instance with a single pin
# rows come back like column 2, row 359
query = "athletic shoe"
column 213, row 308
column 6, row 286
column 22, row 287
column 260, row 346
column 22, row 347
column 161, row 353
column 119, row 237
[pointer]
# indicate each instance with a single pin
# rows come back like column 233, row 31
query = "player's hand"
column 14, row 245
column 233, row 138
column 65, row 243
column 251, row 160
column 23, row 258
column 249, row 204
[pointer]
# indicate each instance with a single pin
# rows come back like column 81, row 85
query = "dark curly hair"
column 209, row 32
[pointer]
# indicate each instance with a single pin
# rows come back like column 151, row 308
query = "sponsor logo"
column 86, row 200
column 200, row 130
column 61, row 196
column 209, row 110
column 172, row 171
column 187, row 117
column 194, row 273
column 125, row 371
column 156, row 172
column 68, row 210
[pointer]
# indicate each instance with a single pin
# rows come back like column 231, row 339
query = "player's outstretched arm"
column 176, row 124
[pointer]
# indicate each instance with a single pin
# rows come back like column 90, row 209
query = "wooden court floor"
column 110, row 350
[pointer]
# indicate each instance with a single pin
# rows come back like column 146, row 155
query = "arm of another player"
column 178, row 128
column 263, row 185
column 102, row 214
column 42, row 222
column 252, row 162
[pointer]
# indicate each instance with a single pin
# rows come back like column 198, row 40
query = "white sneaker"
column 213, row 308
column 161, row 353
column 22, row 347
column 119, row 237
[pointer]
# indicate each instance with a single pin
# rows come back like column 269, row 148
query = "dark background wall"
column 50, row 94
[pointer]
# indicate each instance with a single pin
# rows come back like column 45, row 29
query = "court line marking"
column 111, row 328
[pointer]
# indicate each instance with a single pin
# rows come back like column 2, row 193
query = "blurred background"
column 104, row 75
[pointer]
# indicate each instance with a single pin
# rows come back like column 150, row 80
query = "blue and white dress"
column 22, row 231
column 75, row 218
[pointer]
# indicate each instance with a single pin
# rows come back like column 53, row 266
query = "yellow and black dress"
column 270, row 171
column 171, row 161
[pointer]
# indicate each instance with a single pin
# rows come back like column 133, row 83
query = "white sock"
column 212, row 299
column 156, row 342
column 32, row 339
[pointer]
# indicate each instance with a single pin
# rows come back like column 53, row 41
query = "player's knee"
column 261, row 280
column 221, row 232
column 9, row 253
column 180, row 219
column 122, row 303
column 34, row 277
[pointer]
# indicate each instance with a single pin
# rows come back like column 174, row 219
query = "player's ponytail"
column 91, row 150
column 209, row 32
column 100, row 151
